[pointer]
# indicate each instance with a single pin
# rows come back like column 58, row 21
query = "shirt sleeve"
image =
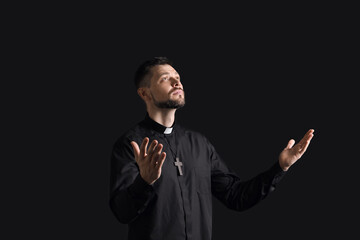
column 235, row 193
column 129, row 193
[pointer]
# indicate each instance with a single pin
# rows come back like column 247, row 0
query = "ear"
column 144, row 93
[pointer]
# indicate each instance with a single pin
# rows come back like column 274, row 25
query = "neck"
column 165, row 117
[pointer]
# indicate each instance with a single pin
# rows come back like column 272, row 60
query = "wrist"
column 150, row 182
column 283, row 166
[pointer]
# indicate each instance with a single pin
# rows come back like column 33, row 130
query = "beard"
column 170, row 104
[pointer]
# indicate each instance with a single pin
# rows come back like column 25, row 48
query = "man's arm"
column 240, row 195
column 133, row 171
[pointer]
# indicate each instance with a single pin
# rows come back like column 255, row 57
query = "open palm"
column 292, row 153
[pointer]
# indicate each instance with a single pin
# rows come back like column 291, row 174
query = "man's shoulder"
column 191, row 133
column 130, row 134
column 133, row 130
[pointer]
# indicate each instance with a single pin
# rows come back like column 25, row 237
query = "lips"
column 176, row 92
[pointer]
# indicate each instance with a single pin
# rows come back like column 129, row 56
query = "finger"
column 136, row 149
column 308, row 135
column 290, row 144
column 311, row 131
column 161, row 160
column 156, row 155
column 151, row 149
column 305, row 145
column 144, row 146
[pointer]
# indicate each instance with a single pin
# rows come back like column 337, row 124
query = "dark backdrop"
column 252, row 82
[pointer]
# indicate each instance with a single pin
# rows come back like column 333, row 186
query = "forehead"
column 159, row 70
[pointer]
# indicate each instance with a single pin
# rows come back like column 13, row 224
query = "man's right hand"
column 150, row 160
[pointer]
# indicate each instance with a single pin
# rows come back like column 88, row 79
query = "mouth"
column 176, row 92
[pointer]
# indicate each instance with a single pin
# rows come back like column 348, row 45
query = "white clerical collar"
column 157, row 126
column 168, row 130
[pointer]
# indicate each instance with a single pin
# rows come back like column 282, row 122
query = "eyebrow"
column 167, row 73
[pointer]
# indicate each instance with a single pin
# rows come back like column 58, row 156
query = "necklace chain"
column 171, row 149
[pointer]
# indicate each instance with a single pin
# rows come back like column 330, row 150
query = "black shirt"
column 178, row 207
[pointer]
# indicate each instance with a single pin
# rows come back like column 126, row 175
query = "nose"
column 176, row 83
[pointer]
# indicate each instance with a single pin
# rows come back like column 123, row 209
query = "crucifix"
column 178, row 164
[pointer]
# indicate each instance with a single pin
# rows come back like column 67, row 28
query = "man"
column 163, row 176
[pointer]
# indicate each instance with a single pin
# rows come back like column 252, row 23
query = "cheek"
column 161, row 93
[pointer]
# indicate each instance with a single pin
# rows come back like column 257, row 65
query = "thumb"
column 136, row 149
column 290, row 144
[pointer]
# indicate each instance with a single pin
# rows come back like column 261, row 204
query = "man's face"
column 165, row 87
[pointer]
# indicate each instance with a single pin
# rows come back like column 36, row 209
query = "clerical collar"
column 157, row 126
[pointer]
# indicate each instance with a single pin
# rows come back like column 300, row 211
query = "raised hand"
column 150, row 160
column 292, row 153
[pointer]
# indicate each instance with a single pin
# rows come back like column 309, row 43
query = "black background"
column 254, row 77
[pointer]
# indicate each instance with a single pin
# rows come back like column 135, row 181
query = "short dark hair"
column 144, row 69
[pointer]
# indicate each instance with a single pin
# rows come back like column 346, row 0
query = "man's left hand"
column 292, row 152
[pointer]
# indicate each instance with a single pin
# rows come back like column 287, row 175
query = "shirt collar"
column 157, row 126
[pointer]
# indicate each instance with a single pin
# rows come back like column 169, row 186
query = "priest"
column 163, row 176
